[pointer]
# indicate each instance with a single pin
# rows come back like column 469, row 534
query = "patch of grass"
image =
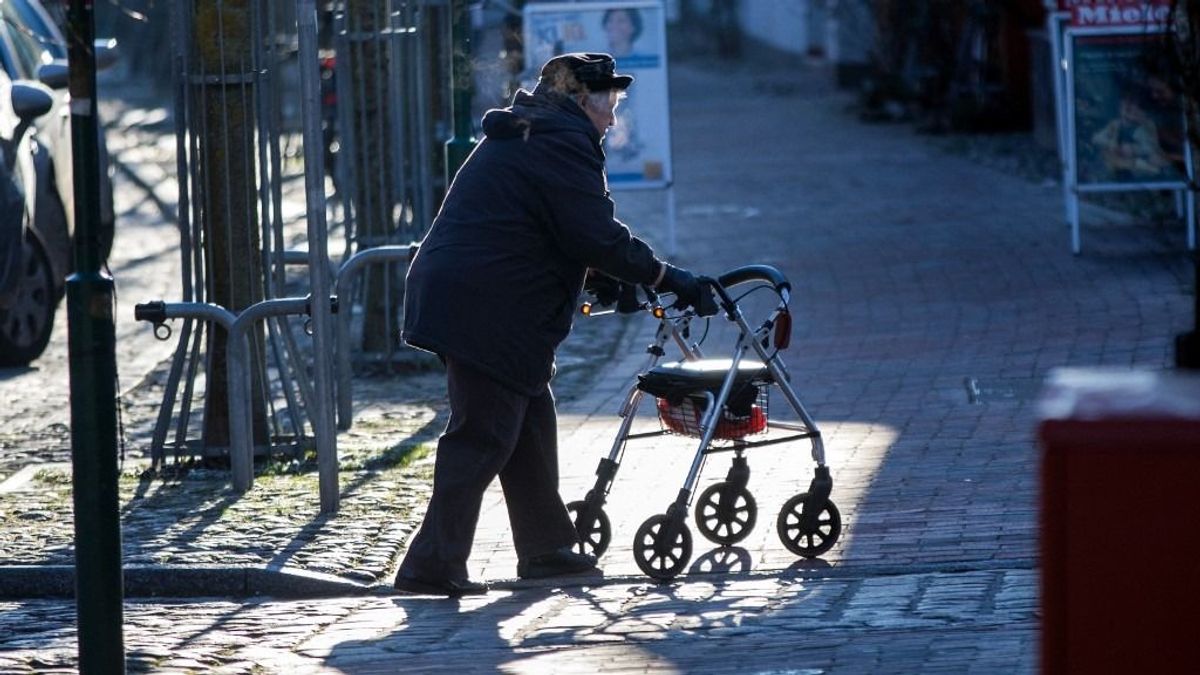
column 52, row 477
column 286, row 466
column 399, row 455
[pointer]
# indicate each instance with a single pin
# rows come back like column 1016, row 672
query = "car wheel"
column 25, row 326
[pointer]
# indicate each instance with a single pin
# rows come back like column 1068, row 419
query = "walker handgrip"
column 741, row 275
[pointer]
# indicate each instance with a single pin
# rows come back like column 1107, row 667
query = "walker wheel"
column 594, row 532
column 661, row 547
column 808, row 544
column 725, row 513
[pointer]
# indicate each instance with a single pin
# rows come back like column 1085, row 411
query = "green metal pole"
column 93, row 368
column 463, row 141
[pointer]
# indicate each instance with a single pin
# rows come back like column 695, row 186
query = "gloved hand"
column 605, row 288
column 688, row 290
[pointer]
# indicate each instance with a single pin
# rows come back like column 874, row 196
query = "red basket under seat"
column 680, row 388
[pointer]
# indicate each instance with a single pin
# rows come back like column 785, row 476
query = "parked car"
column 39, row 162
column 29, row 289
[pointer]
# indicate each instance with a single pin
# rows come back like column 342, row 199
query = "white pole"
column 672, row 244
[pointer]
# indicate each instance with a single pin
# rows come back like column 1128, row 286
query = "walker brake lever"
column 707, row 304
column 627, row 300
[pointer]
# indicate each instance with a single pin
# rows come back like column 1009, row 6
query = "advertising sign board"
column 1121, row 126
column 1127, row 123
column 638, row 149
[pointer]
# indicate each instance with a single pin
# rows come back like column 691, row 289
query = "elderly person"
column 492, row 292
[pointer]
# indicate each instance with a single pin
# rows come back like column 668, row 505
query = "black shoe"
column 561, row 562
column 452, row 588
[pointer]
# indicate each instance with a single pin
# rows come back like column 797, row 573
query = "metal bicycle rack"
column 248, row 94
column 237, row 362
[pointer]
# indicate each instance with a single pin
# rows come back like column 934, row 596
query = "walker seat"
column 680, row 390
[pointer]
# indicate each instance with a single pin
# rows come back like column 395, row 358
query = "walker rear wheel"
column 725, row 513
column 809, row 544
column 661, row 547
column 592, row 527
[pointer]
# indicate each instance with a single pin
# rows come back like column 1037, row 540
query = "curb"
column 183, row 581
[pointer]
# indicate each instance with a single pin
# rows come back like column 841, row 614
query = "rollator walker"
column 723, row 402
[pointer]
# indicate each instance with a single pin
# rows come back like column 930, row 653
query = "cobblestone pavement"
column 953, row 622
column 932, row 295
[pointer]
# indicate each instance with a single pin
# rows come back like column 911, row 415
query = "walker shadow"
column 722, row 560
column 522, row 629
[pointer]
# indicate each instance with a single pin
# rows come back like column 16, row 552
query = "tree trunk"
column 373, row 193
column 224, row 121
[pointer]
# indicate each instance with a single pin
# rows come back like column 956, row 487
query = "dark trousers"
column 493, row 430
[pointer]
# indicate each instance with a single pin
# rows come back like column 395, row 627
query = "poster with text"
column 638, row 148
column 1127, row 123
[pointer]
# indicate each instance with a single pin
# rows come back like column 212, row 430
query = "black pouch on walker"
column 680, row 390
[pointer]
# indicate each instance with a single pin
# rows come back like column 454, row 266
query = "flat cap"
column 589, row 70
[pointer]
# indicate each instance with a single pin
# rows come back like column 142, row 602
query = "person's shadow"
column 488, row 633
column 470, row 634
column 537, row 627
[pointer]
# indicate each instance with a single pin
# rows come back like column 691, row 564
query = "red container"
column 1120, row 522
column 684, row 419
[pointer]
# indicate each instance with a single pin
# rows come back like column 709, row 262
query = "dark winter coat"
column 496, row 281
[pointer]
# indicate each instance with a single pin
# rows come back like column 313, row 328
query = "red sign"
column 1109, row 13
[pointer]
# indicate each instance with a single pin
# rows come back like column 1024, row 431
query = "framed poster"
column 638, row 148
column 1125, row 127
column 1128, row 124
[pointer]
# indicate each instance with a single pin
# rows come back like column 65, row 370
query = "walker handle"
column 741, row 275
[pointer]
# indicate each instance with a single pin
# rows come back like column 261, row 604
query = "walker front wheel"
column 808, row 542
column 662, row 546
column 725, row 513
column 592, row 527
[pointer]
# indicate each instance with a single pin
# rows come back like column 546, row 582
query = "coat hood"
column 538, row 113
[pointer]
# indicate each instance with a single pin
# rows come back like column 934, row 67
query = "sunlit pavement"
column 932, row 295
column 965, row 622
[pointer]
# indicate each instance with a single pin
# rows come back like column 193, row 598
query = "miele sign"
column 1116, row 12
